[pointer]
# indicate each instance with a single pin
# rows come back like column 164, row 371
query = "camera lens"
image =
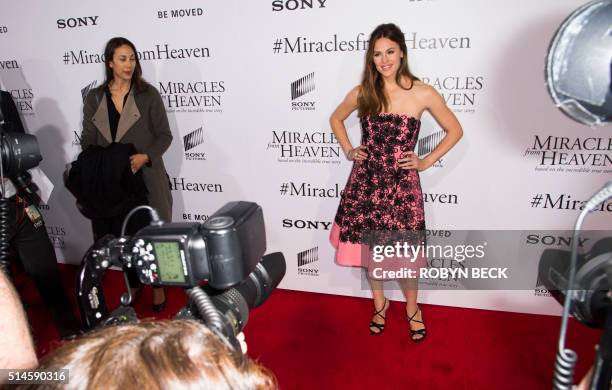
column 263, row 280
column 235, row 303
column 20, row 152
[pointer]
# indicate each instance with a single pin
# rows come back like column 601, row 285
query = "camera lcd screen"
column 168, row 257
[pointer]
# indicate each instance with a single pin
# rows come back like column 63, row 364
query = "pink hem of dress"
column 347, row 253
column 350, row 254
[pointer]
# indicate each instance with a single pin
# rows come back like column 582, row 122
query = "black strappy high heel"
column 374, row 325
column 418, row 332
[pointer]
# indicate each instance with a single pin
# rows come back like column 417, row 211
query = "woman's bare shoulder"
column 353, row 95
column 355, row 91
column 422, row 87
column 425, row 91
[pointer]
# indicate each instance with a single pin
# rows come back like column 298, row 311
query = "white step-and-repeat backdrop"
column 226, row 72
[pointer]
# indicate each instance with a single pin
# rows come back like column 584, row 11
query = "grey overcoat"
column 144, row 123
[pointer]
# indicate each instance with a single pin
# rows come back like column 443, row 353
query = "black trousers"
column 37, row 256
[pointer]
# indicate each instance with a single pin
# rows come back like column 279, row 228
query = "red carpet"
column 322, row 341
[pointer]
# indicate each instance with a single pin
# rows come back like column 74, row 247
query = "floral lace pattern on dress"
column 379, row 195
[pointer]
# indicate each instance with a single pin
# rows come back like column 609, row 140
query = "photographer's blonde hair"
column 177, row 354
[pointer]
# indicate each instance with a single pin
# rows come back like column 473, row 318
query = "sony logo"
column 292, row 5
column 554, row 240
column 301, row 224
column 77, row 22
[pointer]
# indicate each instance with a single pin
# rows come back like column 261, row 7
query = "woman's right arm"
column 336, row 121
column 88, row 135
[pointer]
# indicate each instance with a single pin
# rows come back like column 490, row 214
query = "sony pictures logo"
column 300, row 87
column 313, row 147
column 192, row 140
column 307, row 262
column 540, row 290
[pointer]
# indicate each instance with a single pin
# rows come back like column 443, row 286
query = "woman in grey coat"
column 126, row 109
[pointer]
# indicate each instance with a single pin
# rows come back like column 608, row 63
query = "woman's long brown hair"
column 372, row 99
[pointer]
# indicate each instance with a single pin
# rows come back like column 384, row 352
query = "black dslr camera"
column 18, row 153
column 225, row 253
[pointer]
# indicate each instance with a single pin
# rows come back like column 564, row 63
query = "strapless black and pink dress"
column 379, row 195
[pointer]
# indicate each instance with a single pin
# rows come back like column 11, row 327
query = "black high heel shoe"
column 379, row 327
column 158, row 308
column 421, row 333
